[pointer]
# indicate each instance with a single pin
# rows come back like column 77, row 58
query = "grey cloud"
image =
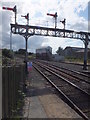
column 17, row 40
column 35, row 42
column 5, row 29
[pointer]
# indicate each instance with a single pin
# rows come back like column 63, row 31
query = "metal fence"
column 13, row 81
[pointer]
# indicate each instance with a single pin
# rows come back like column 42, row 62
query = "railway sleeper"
column 78, row 98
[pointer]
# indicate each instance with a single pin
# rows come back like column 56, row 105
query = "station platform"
column 42, row 101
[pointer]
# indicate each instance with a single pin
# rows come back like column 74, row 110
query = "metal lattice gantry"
column 45, row 31
column 28, row 30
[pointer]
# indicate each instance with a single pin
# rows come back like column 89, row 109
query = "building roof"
column 44, row 47
column 77, row 49
column 74, row 48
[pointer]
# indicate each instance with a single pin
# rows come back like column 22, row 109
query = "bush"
column 7, row 53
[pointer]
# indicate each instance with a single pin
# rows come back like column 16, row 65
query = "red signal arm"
column 51, row 14
column 7, row 8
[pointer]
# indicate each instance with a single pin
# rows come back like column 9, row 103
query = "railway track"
column 76, row 97
column 64, row 65
column 81, row 74
column 81, row 80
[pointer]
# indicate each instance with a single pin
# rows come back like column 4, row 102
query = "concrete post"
column 10, row 41
column 26, row 59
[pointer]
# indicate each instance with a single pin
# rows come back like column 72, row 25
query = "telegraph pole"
column 10, row 41
column 15, row 11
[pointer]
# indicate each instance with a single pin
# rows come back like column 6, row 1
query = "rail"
column 75, row 97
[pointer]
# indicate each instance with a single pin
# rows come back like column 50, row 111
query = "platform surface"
column 43, row 102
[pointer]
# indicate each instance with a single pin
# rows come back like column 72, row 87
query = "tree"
column 60, row 51
column 30, row 53
column 21, row 52
column 7, row 53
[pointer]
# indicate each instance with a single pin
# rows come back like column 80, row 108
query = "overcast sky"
column 74, row 11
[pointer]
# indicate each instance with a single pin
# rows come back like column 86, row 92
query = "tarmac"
column 41, row 100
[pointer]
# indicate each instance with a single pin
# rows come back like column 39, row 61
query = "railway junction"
column 55, row 90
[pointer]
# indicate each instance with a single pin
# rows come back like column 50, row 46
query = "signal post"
column 55, row 16
column 84, row 36
column 26, row 36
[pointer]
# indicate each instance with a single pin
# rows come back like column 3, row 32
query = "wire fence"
column 13, row 87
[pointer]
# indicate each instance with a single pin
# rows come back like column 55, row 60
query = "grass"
column 75, row 60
